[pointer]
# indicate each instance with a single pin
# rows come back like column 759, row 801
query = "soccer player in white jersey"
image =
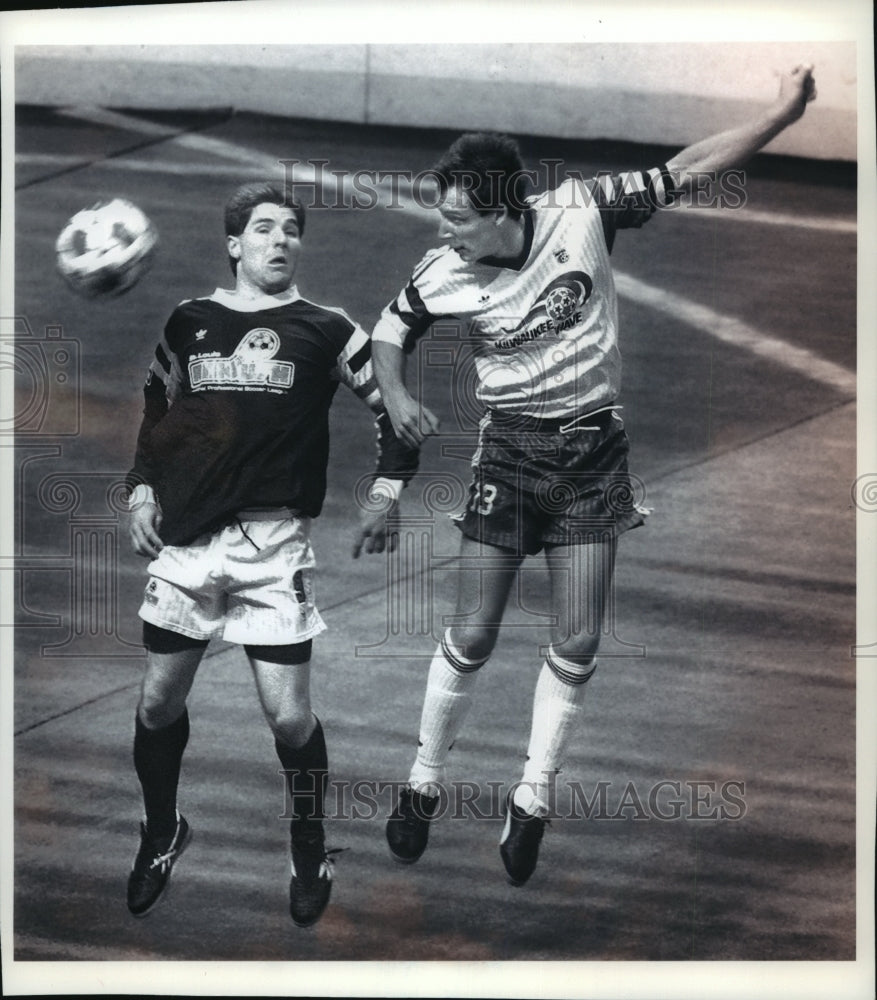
column 229, row 471
column 530, row 280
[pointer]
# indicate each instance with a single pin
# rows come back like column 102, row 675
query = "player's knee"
column 160, row 703
column 580, row 649
column 170, row 666
column 163, row 696
column 473, row 642
column 292, row 724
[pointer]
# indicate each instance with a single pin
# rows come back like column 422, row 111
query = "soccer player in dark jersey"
column 529, row 280
column 230, row 468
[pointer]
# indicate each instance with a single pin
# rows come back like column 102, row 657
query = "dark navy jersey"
column 237, row 409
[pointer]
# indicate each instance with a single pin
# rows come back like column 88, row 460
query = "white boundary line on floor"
column 726, row 329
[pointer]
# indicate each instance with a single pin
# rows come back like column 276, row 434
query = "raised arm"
column 735, row 146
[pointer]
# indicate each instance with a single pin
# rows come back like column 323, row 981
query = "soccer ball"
column 106, row 249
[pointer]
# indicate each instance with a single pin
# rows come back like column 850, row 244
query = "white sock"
column 449, row 688
column 560, row 693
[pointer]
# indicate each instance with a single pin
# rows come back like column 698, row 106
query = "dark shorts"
column 535, row 485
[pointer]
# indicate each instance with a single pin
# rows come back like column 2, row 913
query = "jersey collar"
column 515, row 263
column 231, row 300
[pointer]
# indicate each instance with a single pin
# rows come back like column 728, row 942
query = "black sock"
column 158, row 754
column 307, row 775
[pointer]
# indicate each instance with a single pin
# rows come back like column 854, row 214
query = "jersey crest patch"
column 259, row 343
column 558, row 307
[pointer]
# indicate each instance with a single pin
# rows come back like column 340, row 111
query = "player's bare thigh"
column 485, row 575
column 166, row 684
column 285, row 696
column 580, row 579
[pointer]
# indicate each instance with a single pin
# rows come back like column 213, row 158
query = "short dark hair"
column 489, row 168
column 240, row 205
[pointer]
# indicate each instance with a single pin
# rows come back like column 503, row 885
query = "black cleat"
column 153, row 865
column 311, row 882
column 408, row 825
column 519, row 844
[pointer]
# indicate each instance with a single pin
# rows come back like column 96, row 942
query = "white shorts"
column 250, row 582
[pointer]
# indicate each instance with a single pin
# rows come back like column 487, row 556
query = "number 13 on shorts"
column 483, row 496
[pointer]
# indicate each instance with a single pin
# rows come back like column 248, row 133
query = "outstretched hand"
column 375, row 535
column 797, row 89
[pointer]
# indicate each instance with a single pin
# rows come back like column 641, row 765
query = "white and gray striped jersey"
column 544, row 327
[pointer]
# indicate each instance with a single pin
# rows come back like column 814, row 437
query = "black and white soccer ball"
column 106, row 249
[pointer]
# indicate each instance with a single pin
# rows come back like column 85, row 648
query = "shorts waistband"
column 592, row 420
column 266, row 514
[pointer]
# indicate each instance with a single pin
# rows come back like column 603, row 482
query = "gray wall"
column 661, row 92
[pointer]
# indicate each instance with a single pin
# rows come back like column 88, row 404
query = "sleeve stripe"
column 651, row 189
column 406, row 318
column 361, row 357
column 668, row 188
column 161, row 369
column 373, row 399
column 409, row 307
column 355, row 340
column 362, row 382
column 354, row 367
column 413, row 296
column 365, row 386
column 163, row 359
column 416, row 318
column 655, row 187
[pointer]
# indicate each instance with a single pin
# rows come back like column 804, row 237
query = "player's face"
column 472, row 234
column 268, row 249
